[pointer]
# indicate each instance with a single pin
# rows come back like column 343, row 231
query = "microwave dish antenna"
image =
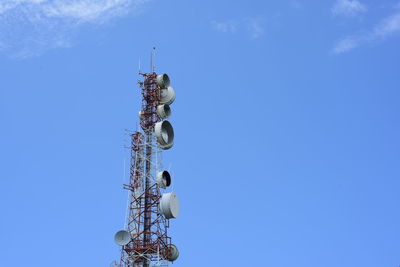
column 164, row 134
column 122, row 238
column 163, row 179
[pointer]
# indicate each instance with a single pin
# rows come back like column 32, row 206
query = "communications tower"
column 145, row 241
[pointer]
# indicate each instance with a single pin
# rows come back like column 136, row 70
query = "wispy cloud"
column 226, row 26
column 346, row 45
column 28, row 27
column 348, row 8
column 387, row 27
column 254, row 27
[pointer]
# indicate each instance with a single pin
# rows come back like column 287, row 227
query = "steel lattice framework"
column 145, row 224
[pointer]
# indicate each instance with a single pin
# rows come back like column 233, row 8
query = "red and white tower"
column 145, row 240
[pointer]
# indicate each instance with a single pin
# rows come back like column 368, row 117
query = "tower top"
column 153, row 60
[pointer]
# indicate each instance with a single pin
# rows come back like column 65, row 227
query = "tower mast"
column 145, row 241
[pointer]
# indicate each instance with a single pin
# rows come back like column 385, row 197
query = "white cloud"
column 348, row 8
column 226, row 27
column 28, row 27
column 91, row 10
column 252, row 26
column 255, row 28
column 387, row 27
column 345, row 45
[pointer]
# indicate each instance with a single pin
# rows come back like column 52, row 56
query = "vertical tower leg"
column 147, row 200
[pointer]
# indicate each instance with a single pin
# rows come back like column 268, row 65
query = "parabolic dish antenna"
column 122, row 238
column 163, row 80
column 163, row 111
column 167, row 95
column 173, row 252
column 169, row 205
column 164, row 134
column 163, row 179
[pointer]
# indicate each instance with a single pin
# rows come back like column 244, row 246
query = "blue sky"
column 286, row 126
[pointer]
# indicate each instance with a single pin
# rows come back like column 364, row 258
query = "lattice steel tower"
column 145, row 240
